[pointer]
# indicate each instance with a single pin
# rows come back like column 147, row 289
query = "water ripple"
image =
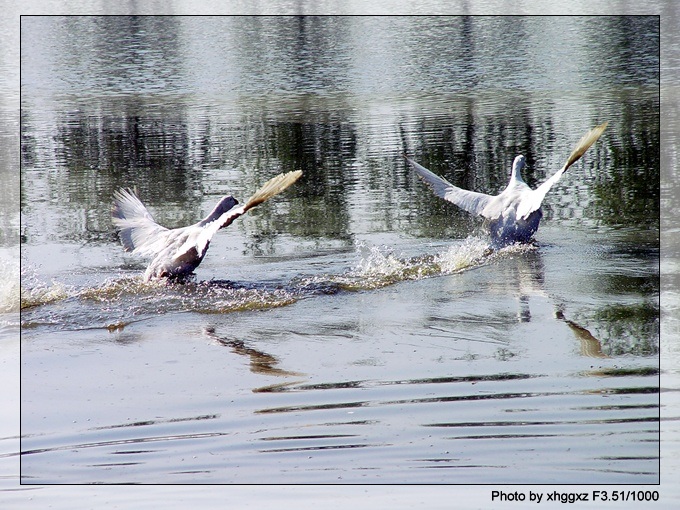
column 120, row 301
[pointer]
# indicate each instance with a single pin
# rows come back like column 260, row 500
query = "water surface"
column 354, row 328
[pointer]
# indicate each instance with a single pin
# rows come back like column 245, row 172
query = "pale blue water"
column 352, row 330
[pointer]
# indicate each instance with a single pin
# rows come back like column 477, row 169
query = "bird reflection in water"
column 590, row 346
column 260, row 362
column 528, row 277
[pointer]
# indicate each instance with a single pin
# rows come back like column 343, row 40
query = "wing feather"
column 138, row 231
column 269, row 189
column 533, row 201
column 470, row 201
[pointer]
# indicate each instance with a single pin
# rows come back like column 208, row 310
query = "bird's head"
column 226, row 203
column 223, row 206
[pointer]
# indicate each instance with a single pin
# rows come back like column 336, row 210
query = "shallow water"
column 334, row 382
column 354, row 328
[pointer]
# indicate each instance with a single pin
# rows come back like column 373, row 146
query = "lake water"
column 354, row 329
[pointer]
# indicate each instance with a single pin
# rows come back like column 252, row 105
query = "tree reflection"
column 629, row 329
column 629, row 194
column 339, row 98
column 297, row 90
column 97, row 155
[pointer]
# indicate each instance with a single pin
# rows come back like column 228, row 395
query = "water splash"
column 10, row 288
column 34, row 292
column 380, row 266
column 121, row 300
column 471, row 252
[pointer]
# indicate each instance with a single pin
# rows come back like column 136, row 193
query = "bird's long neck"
column 222, row 206
column 516, row 175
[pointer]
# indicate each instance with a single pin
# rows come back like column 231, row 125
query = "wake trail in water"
column 119, row 301
column 379, row 267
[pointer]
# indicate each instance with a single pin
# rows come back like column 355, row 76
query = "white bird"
column 513, row 215
column 177, row 252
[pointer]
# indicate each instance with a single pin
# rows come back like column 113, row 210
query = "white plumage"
column 177, row 252
column 513, row 215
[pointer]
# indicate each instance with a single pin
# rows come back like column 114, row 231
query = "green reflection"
column 629, row 329
column 629, row 194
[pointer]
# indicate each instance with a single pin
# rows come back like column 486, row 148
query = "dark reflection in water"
column 162, row 135
column 156, row 422
column 260, row 362
column 324, row 151
column 631, row 190
column 631, row 329
column 471, row 397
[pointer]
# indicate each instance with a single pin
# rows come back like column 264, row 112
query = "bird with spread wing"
column 513, row 215
column 175, row 253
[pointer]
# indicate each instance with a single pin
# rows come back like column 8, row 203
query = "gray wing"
column 139, row 233
column 470, row 201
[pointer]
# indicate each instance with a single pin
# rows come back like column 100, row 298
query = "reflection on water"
column 355, row 329
column 166, row 135
column 590, row 346
column 260, row 362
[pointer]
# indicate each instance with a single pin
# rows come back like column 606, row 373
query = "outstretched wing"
column 270, row 188
column 139, row 233
column 533, row 201
column 470, row 201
